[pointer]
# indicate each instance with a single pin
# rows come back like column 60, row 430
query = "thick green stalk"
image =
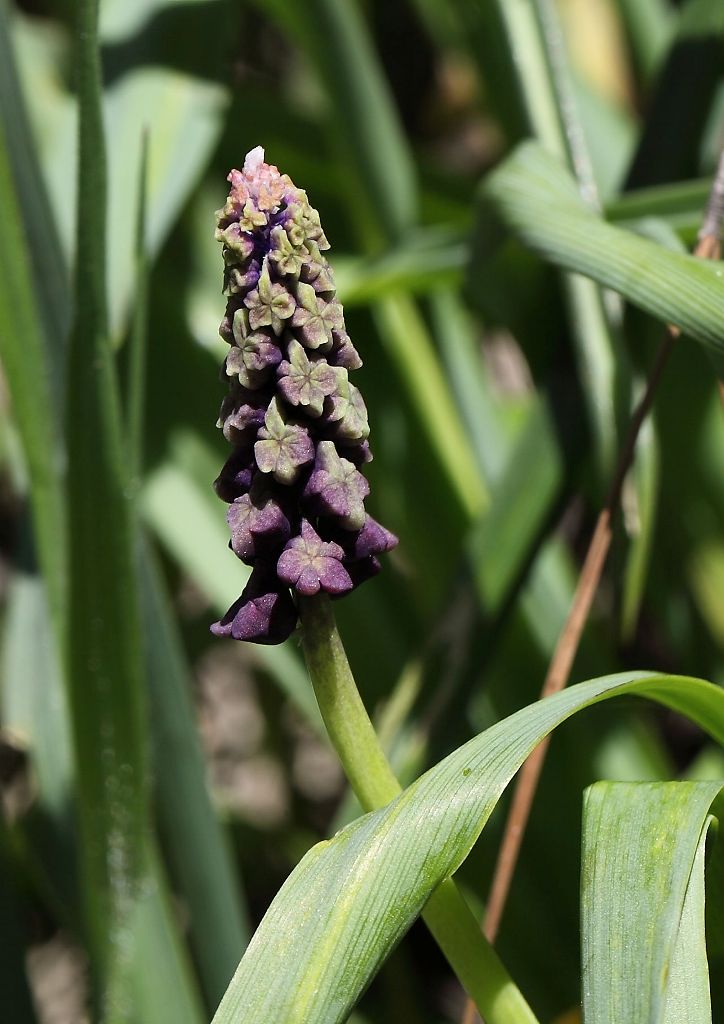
column 447, row 915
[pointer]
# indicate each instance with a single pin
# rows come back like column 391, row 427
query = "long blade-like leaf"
column 104, row 651
column 29, row 375
column 642, row 902
column 198, row 850
column 351, row 899
column 336, row 39
column 540, row 203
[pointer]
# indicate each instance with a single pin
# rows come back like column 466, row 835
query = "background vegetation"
column 135, row 747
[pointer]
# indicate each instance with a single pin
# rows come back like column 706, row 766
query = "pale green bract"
column 352, row 898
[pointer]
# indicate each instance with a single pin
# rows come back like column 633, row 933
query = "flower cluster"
column 297, row 424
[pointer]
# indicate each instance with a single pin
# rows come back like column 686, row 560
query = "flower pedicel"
column 297, row 424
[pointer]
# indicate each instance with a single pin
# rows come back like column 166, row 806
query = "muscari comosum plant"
column 297, row 422
column 296, row 492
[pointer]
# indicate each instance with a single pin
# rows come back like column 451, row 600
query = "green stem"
column 446, row 914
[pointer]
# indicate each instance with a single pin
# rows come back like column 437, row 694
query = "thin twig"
column 559, row 670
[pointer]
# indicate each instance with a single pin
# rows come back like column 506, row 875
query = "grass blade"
column 161, row 983
column 407, row 340
column 330, row 926
column 50, row 279
column 642, row 896
column 30, row 377
column 139, row 327
column 34, row 704
column 104, row 663
column 427, row 258
column 538, row 200
column 675, row 113
column 640, row 498
column 197, row 847
column 522, row 504
column 336, row 39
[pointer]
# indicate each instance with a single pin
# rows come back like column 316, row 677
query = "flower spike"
column 297, row 424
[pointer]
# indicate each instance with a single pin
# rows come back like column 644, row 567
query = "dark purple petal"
column 358, row 452
column 373, row 539
column 264, row 614
column 363, row 570
column 257, row 522
column 242, row 411
column 343, row 351
column 337, row 488
column 236, row 475
column 242, row 278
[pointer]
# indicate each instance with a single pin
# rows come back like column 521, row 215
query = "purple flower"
column 372, row 539
column 343, row 351
column 307, row 382
column 236, row 474
column 363, row 570
column 310, row 564
column 315, row 318
column 337, row 488
column 283, row 447
column 253, row 354
column 241, row 411
column 346, row 410
column 257, row 522
column 270, row 304
column 297, row 424
column 264, row 614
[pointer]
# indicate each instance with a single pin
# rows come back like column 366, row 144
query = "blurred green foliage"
column 498, row 390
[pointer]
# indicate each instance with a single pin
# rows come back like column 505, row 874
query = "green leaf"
column 335, row 37
column 198, row 849
column 24, row 351
column 694, row 57
column 640, row 497
column 161, row 983
column 104, row 640
column 353, row 897
column 49, row 273
column 34, row 706
column 426, row 258
column 149, row 87
column 138, row 342
column 648, row 25
column 539, row 201
column 480, row 410
column 642, row 896
column 404, row 334
column 536, row 53
column 679, row 203
column 522, row 504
